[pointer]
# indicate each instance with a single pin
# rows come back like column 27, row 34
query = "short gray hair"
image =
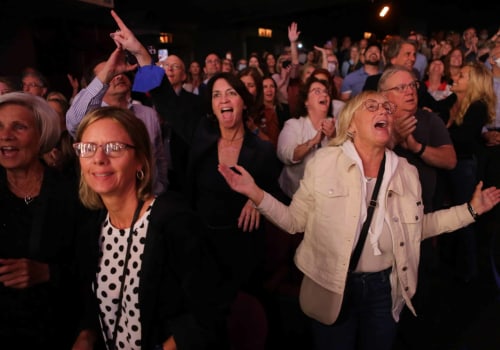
column 46, row 118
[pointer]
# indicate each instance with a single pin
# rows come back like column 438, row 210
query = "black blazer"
column 177, row 289
column 202, row 133
column 44, row 315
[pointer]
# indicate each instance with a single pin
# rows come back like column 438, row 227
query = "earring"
column 140, row 175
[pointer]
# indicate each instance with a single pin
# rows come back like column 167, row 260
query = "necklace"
column 28, row 196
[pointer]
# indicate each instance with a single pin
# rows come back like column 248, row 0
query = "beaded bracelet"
column 472, row 212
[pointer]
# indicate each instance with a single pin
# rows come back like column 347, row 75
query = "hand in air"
column 484, row 200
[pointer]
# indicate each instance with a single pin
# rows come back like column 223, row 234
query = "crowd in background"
column 450, row 131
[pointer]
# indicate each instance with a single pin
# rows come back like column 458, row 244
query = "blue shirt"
column 354, row 82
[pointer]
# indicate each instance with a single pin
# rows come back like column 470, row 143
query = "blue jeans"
column 365, row 321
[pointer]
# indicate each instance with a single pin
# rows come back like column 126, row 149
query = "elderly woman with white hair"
column 39, row 212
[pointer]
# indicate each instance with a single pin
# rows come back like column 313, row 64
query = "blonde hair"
column 138, row 133
column 479, row 88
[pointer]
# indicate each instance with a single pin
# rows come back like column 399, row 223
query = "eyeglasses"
column 31, row 85
column 373, row 106
column 414, row 85
column 173, row 66
column 318, row 91
column 111, row 149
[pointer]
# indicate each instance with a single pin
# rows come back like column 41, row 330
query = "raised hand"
column 126, row 40
column 484, row 200
column 293, row 33
column 116, row 64
column 75, row 84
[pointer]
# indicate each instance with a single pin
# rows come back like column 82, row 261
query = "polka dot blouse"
column 113, row 247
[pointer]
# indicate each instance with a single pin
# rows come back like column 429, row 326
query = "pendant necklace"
column 29, row 196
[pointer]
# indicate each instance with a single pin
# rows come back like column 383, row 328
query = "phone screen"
column 162, row 54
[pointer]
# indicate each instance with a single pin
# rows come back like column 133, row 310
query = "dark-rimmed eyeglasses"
column 111, row 149
column 414, row 85
column 373, row 106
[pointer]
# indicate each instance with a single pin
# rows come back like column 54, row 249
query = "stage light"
column 384, row 11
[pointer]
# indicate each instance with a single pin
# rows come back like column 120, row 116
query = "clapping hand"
column 328, row 127
column 402, row 128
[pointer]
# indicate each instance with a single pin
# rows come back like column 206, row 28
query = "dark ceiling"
column 315, row 17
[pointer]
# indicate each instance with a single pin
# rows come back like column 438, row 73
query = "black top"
column 44, row 315
column 240, row 254
column 178, row 292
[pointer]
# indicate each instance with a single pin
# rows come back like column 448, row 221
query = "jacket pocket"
column 330, row 200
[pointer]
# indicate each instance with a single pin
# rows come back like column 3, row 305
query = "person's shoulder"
column 171, row 202
column 327, row 153
column 292, row 122
column 425, row 114
column 141, row 108
column 407, row 170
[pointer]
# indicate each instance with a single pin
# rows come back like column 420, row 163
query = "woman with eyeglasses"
column 360, row 208
column 39, row 215
column 302, row 136
column 148, row 279
column 234, row 227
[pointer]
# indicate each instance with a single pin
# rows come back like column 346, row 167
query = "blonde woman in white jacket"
column 359, row 307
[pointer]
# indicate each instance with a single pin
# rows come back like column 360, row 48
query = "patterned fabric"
column 113, row 247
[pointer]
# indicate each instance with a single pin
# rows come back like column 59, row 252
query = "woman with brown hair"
column 149, row 279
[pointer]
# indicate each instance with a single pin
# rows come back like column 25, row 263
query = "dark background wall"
column 65, row 36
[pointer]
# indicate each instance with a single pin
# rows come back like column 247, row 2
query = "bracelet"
column 472, row 212
column 422, row 149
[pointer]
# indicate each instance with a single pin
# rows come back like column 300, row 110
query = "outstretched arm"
column 484, row 200
column 242, row 182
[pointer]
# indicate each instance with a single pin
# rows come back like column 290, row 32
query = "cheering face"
column 406, row 57
column 269, row 90
column 372, row 122
column 19, row 137
column 227, row 105
column 318, row 98
column 112, row 174
column 461, row 82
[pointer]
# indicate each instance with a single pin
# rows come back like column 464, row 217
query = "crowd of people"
column 293, row 199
